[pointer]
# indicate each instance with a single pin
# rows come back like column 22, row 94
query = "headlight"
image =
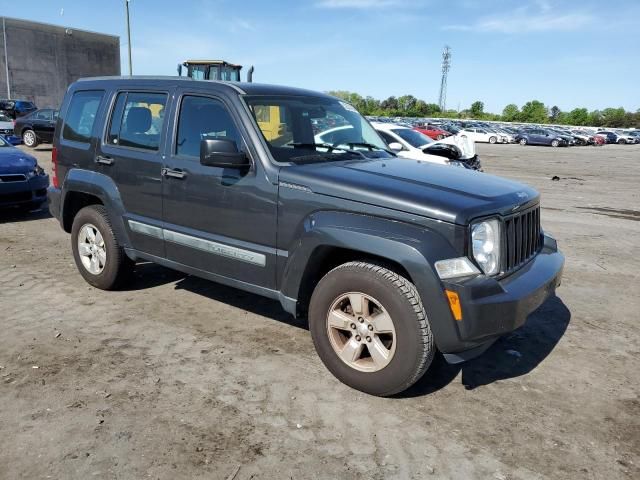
column 485, row 240
column 37, row 170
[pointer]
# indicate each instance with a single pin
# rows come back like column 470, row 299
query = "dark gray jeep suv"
column 391, row 259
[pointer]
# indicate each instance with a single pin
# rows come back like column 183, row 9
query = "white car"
column 6, row 125
column 481, row 135
column 409, row 143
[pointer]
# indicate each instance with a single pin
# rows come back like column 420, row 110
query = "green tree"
column 578, row 116
column 477, row 109
column 614, row 117
column 554, row 113
column 511, row 113
column 534, row 112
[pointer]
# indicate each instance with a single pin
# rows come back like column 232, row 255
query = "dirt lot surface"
column 178, row 377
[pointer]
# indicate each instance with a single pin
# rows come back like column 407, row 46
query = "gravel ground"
column 178, row 377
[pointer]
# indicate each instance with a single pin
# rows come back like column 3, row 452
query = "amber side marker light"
column 454, row 304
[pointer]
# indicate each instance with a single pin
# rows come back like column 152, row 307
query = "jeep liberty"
column 390, row 259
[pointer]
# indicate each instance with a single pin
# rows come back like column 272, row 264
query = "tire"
column 439, row 137
column 410, row 348
column 29, row 138
column 116, row 266
column 555, row 143
column 621, row 142
column 493, row 139
column 522, row 141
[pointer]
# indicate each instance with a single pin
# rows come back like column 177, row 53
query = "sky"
column 569, row 53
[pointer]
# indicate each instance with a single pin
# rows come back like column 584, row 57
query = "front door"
column 131, row 154
column 217, row 220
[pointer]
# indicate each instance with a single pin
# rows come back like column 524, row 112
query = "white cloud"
column 357, row 3
column 527, row 20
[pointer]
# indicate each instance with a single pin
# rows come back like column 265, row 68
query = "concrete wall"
column 44, row 59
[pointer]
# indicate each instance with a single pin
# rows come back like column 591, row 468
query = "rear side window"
column 81, row 115
column 203, row 118
column 137, row 119
column 41, row 115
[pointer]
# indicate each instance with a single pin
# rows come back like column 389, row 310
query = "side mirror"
column 396, row 146
column 222, row 153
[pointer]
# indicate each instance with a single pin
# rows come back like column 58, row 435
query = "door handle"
column 169, row 172
column 104, row 160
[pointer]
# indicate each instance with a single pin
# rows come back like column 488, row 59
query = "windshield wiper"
column 370, row 146
column 328, row 146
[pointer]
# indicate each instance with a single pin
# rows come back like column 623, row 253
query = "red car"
column 433, row 132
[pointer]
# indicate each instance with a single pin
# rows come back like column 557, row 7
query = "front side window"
column 203, row 118
column 137, row 119
column 301, row 128
column 81, row 115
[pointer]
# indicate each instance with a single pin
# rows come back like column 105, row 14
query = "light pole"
column 126, row 3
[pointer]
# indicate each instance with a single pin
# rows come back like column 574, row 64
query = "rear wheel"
column 98, row 255
column 29, row 138
column 370, row 328
column 493, row 139
column 621, row 141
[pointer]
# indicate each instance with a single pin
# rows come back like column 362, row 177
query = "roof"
column 239, row 87
column 210, row 62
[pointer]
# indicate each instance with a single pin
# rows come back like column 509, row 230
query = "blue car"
column 540, row 136
column 23, row 183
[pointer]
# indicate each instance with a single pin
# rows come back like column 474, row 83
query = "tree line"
column 531, row 112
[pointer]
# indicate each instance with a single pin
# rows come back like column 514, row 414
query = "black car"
column 16, row 108
column 36, row 127
column 391, row 260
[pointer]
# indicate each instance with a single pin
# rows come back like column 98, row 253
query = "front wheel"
column 621, row 142
column 29, row 138
column 523, row 141
column 370, row 328
column 493, row 139
column 555, row 143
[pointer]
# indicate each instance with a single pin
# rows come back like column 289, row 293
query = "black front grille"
column 521, row 238
column 13, row 177
column 15, row 197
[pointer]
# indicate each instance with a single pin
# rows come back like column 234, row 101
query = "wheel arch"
column 333, row 238
column 82, row 188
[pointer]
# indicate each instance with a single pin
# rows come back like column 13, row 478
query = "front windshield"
column 412, row 137
column 307, row 128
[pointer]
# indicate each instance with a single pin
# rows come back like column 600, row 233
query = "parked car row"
column 524, row 134
column 22, row 122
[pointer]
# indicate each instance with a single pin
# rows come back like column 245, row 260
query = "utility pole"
column 446, row 64
column 6, row 56
column 126, row 3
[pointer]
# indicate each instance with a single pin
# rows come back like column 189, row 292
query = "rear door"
column 43, row 124
column 131, row 153
column 218, row 220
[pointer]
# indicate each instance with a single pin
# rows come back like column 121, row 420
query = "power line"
column 446, row 65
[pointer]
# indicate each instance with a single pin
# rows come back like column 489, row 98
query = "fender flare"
column 102, row 187
column 415, row 248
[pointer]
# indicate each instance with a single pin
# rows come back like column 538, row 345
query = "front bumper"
column 31, row 191
column 492, row 307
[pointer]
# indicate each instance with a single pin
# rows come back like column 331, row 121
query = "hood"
column 454, row 195
column 14, row 160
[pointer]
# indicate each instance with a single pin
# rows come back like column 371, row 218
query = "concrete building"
column 38, row 61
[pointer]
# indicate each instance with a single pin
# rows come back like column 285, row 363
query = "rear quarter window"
column 81, row 115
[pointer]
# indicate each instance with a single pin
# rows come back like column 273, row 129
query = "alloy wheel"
column 91, row 248
column 361, row 332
